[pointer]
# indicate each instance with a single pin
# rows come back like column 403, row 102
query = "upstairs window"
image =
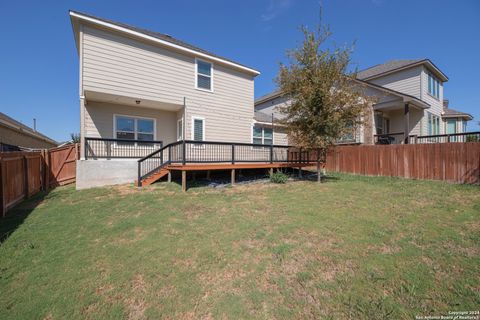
column 433, row 86
column 204, row 75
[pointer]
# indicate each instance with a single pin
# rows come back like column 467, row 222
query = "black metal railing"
column 389, row 138
column 447, row 138
column 188, row 151
column 102, row 148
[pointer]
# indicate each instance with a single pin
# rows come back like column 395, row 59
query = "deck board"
column 228, row 166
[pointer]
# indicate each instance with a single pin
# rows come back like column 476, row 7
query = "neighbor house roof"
column 451, row 113
column 397, row 65
column 406, row 97
column 161, row 38
column 268, row 96
column 20, row 127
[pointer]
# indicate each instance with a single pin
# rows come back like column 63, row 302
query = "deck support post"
column 184, row 180
column 169, row 177
column 319, row 172
column 233, row 176
column 300, row 172
column 271, row 172
column 208, row 175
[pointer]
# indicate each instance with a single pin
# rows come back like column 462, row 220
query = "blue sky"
column 39, row 63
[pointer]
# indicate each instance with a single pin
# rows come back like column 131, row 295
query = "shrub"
column 278, row 177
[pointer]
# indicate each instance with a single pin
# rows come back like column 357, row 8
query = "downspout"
column 184, row 118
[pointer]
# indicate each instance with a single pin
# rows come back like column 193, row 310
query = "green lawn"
column 353, row 247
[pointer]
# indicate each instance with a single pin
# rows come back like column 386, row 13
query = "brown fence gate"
column 22, row 174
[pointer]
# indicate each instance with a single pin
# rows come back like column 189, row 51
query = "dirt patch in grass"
column 139, row 234
column 385, row 249
column 135, row 302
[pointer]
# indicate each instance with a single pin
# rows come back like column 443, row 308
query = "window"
column 261, row 135
column 350, row 135
column 433, row 124
column 198, row 130
column 204, row 75
column 433, row 86
column 382, row 124
column 464, row 126
column 180, row 129
column 131, row 128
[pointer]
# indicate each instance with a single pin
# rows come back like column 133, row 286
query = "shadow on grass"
column 17, row 215
column 222, row 179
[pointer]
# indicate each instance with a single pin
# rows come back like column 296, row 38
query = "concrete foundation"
column 97, row 173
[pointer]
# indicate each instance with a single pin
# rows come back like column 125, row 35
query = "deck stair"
column 153, row 177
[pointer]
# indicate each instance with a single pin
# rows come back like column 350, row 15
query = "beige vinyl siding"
column 123, row 66
column 406, row 81
column 272, row 106
column 280, row 137
column 99, row 120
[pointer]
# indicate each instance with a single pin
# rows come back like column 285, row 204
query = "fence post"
column 271, row 152
column 2, row 185
column 47, row 170
column 184, row 152
column 25, row 169
column 300, row 155
column 139, row 182
column 448, row 138
column 233, row 153
column 169, row 154
column 42, row 168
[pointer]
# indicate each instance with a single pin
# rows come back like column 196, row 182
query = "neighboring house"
column 409, row 102
column 139, row 85
column 15, row 136
column 454, row 121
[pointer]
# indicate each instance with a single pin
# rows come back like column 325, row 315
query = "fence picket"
column 455, row 162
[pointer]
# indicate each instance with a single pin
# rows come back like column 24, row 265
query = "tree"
column 326, row 102
column 75, row 137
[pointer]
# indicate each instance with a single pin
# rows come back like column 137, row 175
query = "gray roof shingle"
column 385, row 67
column 449, row 113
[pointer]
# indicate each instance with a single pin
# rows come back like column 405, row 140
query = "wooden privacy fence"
column 22, row 173
column 455, row 162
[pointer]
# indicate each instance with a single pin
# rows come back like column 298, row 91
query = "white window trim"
column 211, row 75
column 193, row 131
column 434, row 79
column 180, row 122
column 261, row 126
column 115, row 115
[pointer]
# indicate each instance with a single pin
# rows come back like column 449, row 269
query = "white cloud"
column 275, row 8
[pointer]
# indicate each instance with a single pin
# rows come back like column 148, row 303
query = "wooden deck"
column 218, row 166
column 230, row 166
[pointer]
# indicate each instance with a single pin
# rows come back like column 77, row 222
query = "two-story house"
column 142, row 90
column 409, row 103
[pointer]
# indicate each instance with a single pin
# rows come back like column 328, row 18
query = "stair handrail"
column 151, row 155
